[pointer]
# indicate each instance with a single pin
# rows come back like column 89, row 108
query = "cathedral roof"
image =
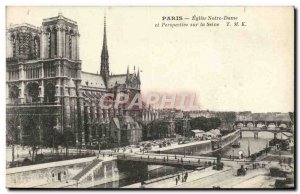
column 92, row 80
column 120, row 79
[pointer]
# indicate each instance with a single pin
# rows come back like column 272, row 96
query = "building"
column 125, row 130
column 48, row 93
column 198, row 133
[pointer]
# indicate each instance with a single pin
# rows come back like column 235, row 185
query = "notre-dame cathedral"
column 48, row 92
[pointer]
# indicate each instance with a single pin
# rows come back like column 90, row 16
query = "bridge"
column 187, row 162
column 256, row 130
column 263, row 123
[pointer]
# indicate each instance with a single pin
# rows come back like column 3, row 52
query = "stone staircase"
column 87, row 169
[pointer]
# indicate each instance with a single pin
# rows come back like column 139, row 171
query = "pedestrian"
column 186, row 176
column 181, row 160
column 198, row 161
column 175, row 156
column 148, row 157
column 178, row 160
column 178, row 177
column 176, row 180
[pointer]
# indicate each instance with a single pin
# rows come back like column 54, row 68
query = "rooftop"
column 60, row 17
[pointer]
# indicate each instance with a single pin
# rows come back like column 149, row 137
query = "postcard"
column 150, row 97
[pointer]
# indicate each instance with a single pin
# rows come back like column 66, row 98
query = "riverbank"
column 198, row 147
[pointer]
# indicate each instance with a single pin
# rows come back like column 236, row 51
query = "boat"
column 236, row 145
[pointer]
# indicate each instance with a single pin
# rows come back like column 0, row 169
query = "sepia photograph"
column 133, row 98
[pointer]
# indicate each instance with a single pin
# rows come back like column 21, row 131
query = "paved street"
column 209, row 178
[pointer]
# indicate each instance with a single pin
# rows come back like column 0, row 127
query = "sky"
column 248, row 68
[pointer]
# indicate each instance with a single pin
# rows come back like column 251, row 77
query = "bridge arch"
column 271, row 124
column 283, row 125
column 239, row 124
column 260, row 124
column 250, row 124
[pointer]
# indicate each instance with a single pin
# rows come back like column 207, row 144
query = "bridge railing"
column 167, row 161
column 264, row 129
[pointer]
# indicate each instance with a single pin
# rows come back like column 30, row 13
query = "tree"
column 11, row 133
column 227, row 119
column 158, row 129
column 67, row 138
column 33, row 136
column 205, row 124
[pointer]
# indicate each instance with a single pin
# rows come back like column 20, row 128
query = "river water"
column 157, row 171
column 255, row 144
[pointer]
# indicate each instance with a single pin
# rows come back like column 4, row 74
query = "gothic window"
column 32, row 93
column 35, row 48
column 52, row 43
column 14, row 41
column 49, row 93
column 70, row 46
column 21, row 45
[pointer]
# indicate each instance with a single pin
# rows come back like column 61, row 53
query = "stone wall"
column 44, row 174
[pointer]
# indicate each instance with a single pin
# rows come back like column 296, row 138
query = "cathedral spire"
column 138, row 76
column 127, row 75
column 104, row 46
column 104, row 70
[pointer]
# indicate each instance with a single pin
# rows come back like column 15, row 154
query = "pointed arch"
column 32, row 92
column 49, row 95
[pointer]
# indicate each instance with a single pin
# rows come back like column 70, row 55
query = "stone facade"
column 47, row 90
